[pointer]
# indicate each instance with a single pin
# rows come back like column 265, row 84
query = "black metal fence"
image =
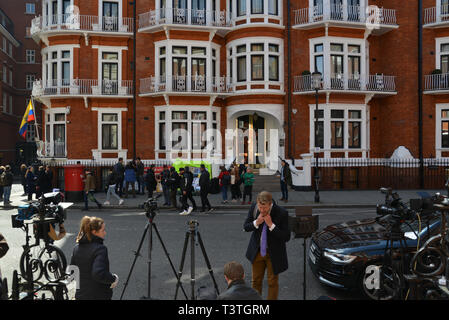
column 350, row 174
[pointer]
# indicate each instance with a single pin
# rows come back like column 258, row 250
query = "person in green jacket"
column 248, row 181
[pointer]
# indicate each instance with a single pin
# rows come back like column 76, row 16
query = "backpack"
column 226, row 179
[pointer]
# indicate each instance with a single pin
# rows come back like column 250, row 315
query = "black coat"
column 120, row 170
column 150, row 180
column 173, row 180
column 238, row 290
column 186, row 182
column 92, row 260
column 204, row 181
column 276, row 238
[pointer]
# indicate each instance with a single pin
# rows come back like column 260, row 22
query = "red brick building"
column 20, row 67
column 225, row 65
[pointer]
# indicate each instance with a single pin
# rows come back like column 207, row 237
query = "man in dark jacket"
column 237, row 289
column 119, row 168
column 7, row 179
column 140, row 173
column 165, row 174
column 204, row 189
column 267, row 250
column 186, row 185
column 286, row 179
column 150, row 180
column 173, row 183
column 47, row 180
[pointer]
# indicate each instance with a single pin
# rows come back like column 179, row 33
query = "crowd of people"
column 34, row 182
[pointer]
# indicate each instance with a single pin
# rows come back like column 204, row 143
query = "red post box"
column 74, row 186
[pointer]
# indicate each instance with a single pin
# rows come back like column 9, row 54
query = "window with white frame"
column 30, row 56
column 338, row 60
column 255, row 7
column 57, row 65
column 29, row 81
column 442, row 54
column 4, row 44
column 10, row 49
column 339, row 127
column 187, row 130
column 10, row 77
column 109, row 131
column 30, row 8
column 5, row 74
column 10, row 104
column 55, row 132
column 258, row 60
column 190, row 66
column 441, row 128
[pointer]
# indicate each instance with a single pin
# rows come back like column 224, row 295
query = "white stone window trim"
column 247, row 17
column 327, row 149
column 169, row 44
column 438, row 130
column 266, row 41
column 326, row 53
column 102, row 111
column 168, row 124
column 48, row 61
column 110, row 49
column 30, row 56
column 438, row 53
column 50, row 114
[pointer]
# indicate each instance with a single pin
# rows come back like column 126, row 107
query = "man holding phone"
column 268, row 223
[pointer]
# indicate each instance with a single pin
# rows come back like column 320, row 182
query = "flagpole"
column 35, row 119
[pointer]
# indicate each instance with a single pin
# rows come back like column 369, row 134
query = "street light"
column 316, row 84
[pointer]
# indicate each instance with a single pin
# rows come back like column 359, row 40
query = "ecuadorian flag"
column 27, row 117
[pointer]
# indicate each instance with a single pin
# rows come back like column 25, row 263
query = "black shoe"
column 84, row 209
column 99, row 206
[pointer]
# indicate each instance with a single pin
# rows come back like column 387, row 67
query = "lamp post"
column 316, row 84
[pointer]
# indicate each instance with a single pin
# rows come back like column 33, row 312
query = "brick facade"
column 384, row 89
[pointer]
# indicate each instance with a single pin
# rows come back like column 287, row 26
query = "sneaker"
column 106, row 203
column 120, row 202
column 189, row 211
column 210, row 210
column 183, row 213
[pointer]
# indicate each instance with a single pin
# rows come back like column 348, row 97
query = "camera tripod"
column 192, row 234
column 149, row 228
column 395, row 281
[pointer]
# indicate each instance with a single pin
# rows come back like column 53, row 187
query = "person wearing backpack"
column 225, row 181
column 7, row 179
column 248, row 181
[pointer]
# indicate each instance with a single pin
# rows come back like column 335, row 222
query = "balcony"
column 52, row 149
column 44, row 26
column 436, row 17
column 184, row 85
column 44, row 91
column 375, row 85
column 174, row 18
column 436, row 84
column 373, row 19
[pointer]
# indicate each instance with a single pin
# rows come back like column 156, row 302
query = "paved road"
column 223, row 237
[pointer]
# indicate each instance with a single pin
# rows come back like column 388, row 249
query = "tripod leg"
column 192, row 264
column 211, row 272
column 137, row 254
column 168, row 257
column 183, row 257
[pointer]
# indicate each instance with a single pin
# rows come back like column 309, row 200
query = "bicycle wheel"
column 54, row 262
column 34, row 266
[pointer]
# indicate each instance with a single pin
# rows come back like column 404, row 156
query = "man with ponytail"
column 90, row 255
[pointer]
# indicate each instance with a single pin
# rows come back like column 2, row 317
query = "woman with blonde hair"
column 90, row 255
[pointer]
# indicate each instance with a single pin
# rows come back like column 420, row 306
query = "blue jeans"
column 6, row 194
column 284, row 190
column 166, row 191
column 141, row 184
column 224, row 192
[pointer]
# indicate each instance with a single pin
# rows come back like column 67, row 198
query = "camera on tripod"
column 150, row 207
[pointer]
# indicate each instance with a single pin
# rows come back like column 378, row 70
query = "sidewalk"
column 328, row 199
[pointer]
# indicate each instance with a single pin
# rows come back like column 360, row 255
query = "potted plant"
column 306, row 73
column 438, row 81
column 437, row 71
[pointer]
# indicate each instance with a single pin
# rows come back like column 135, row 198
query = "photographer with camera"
column 90, row 255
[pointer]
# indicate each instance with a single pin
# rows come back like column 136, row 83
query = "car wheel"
column 379, row 282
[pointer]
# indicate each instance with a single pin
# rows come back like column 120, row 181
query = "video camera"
column 393, row 207
column 150, row 207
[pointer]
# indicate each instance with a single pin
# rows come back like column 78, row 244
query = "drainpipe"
column 420, row 94
column 289, row 78
column 134, row 76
